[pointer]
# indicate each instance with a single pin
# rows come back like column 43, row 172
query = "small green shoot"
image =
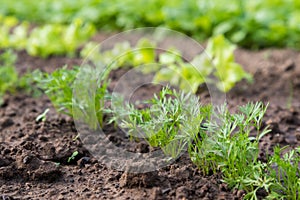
column 72, row 157
column 76, row 137
column 42, row 116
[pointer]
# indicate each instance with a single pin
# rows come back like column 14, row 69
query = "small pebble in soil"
column 4, row 162
column 6, row 122
column 83, row 161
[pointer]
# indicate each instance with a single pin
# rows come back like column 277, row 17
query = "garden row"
column 247, row 23
column 222, row 145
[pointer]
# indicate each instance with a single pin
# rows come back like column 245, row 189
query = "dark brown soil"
column 34, row 155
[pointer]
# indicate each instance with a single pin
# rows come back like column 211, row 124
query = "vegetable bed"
column 194, row 100
column 44, row 158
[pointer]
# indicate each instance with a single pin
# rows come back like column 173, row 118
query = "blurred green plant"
column 8, row 73
column 248, row 23
column 45, row 40
column 170, row 67
column 219, row 62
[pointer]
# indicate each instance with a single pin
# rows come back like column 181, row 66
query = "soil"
column 34, row 155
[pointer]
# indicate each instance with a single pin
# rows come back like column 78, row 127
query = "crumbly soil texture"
column 34, row 155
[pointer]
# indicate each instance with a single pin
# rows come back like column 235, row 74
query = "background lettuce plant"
column 170, row 67
column 251, row 24
column 44, row 40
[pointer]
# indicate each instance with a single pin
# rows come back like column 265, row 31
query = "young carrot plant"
column 59, row 85
column 224, row 145
column 169, row 123
column 217, row 140
column 284, row 169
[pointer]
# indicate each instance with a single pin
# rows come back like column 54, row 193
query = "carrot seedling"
column 169, row 123
column 59, row 85
column 42, row 116
column 72, row 157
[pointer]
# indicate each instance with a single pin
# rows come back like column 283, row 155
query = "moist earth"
column 34, row 155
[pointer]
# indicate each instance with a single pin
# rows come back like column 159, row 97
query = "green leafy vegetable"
column 227, row 71
column 186, row 76
column 45, row 40
column 192, row 75
column 248, row 23
column 58, row 39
